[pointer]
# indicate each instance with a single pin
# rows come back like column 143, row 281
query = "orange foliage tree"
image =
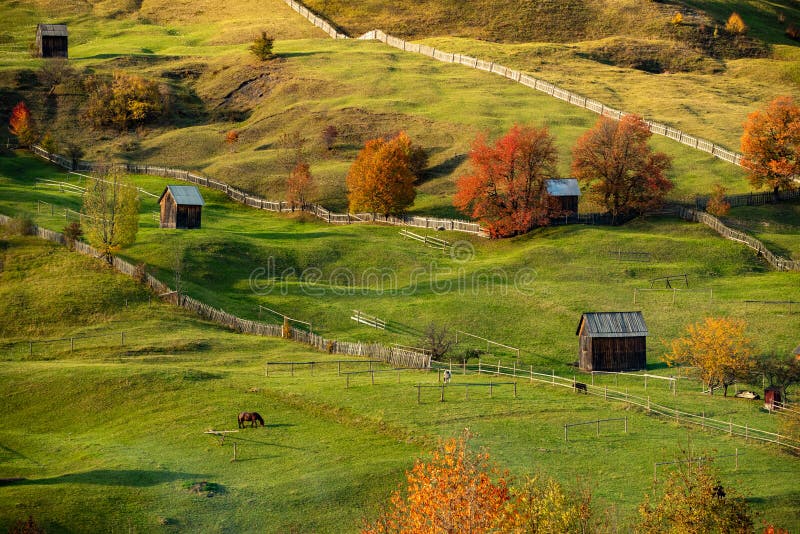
column 231, row 138
column 21, row 124
column 717, row 348
column 381, row 179
column 717, row 204
column 506, row 189
column 771, row 145
column 299, row 185
column 457, row 490
column 623, row 173
column 735, row 24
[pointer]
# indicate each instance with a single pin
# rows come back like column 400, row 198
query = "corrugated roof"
column 613, row 324
column 53, row 30
column 563, row 187
column 185, row 195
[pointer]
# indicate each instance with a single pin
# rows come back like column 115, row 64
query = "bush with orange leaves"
column 458, row 490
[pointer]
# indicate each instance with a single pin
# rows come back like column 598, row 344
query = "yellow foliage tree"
column 677, row 18
column 735, row 24
column 717, row 348
column 111, row 206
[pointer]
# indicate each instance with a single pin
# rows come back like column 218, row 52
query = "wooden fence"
column 727, row 427
column 777, row 262
column 254, row 201
column 524, row 79
column 395, row 356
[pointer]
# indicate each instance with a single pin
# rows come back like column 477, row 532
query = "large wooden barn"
column 181, row 207
column 52, row 40
column 612, row 341
column 566, row 192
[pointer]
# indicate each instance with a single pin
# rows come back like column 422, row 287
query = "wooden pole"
column 490, row 389
column 419, row 390
column 565, row 433
column 234, row 452
column 442, row 398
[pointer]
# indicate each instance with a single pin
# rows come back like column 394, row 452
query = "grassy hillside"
column 118, row 441
column 364, row 89
column 316, row 272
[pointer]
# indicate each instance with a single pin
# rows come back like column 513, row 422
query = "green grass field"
column 777, row 226
column 110, row 437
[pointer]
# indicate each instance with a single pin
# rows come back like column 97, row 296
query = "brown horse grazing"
column 253, row 417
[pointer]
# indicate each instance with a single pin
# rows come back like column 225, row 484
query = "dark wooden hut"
column 612, row 341
column 181, row 207
column 51, row 40
column 566, row 193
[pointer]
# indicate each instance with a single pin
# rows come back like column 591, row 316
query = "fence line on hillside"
column 777, row 262
column 727, row 427
column 398, row 357
column 553, row 90
column 255, row 201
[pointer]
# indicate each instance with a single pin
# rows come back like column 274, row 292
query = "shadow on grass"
column 108, row 477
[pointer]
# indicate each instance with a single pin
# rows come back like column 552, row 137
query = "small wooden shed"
column 566, row 192
column 181, row 207
column 612, row 341
column 772, row 398
column 52, row 40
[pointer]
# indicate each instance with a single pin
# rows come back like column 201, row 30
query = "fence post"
column 737, row 458
column 71, row 344
column 626, row 424
column 442, row 399
column 565, row 433
column 123, row 339
column 490, row 389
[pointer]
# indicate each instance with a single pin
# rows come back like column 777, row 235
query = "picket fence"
column 777, row 262
column 524, row 79
column 398, row 357
column 257, row 202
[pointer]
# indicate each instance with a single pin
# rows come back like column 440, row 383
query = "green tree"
column 111, row 206
column 262, row 46
column 691, row 500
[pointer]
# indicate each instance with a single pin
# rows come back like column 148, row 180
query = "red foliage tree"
column 381, row 179
column 623, row 173
column 299, row 185
column 771, row 145
column 21, row 124
column 506, row 190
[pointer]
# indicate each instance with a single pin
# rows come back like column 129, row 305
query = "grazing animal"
column 253, row 417
column 446, row 376
column 580, row 386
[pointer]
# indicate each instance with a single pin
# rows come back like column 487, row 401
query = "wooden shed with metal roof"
column 566, row 193
column 612, row 341
column 52, row 40
column 181, row 207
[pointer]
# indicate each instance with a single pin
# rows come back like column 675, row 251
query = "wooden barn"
column 181, row 207
column 612, row 341
column 566, row 192
column 51, row 40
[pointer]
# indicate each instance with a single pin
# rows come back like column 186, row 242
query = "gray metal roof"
column 184, row 195
column 53, row 30
column 563, row 187
column 613, row 324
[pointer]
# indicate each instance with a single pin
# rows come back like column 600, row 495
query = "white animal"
column 446, row 376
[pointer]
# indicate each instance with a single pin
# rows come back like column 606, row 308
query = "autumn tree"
column 262, row 46
column 771, row 145
column 506, row 190
column 457, row 490
column 381, row 179
column 124, row 101
column 717, row 204
column 623, row 173
column 437, row 340
column 111, row 207
column 329, row 136
column 231, row 139
column 735, row 24
column 299, row 185
column 21, row 124
column 691, row 500
column 717, row 348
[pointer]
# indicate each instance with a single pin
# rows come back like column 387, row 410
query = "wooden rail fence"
column 393, row 355
column 777, row 262
column 524, row 79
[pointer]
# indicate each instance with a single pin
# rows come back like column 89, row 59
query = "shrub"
column 48, row 143
column 262, row 46
column 735, row 24
column 329, row 135
column 72, row 232
column 26, row 527
column 717, row 205
column 125, row 101
column 22, row 225
column 140, row 272
column 677, row 18
column 232, row 137
column 793, row 32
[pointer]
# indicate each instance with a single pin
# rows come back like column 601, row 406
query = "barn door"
column 585, row 352
column 182, row 219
